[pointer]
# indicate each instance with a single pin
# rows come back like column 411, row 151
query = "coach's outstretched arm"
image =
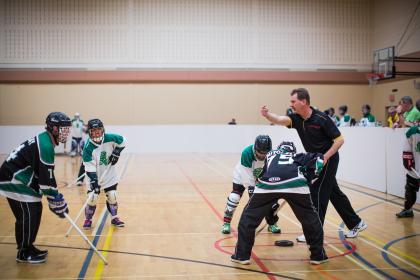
column 281, row 120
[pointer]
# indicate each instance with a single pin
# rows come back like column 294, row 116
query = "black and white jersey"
column 28, row 172
column 285, row 173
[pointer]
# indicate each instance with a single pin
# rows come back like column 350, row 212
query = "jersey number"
column 51, row 172
column 13, row 154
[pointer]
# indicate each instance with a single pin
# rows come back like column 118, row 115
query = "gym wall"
column 130, row 104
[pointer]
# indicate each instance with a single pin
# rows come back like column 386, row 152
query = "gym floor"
column 173, row 209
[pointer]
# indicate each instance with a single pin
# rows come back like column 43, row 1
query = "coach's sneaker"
column 226, row 228
column 355, row 231
column 117, row 222
column 301, row 238
column 87, row 224
column 405, row 214
column 235, row 260
column 28, row 256
column 274, row 229
column 38, row 252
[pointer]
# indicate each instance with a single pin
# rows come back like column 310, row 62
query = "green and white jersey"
column 248, row 168
column 95, row 159
column 28, row 172
column 345, row 120
column 77, row 128
column 368, row 120
column 413, row 145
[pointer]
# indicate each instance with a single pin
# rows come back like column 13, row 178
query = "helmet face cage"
column 59, row 125
column 262, row 146
column 96, row 130
column 287, row 148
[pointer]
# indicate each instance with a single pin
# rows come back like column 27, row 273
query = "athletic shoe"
column 28, row 256
column 274, row 229
column 317, row 261
column 301, row 238
column 39, row 252
column 226, row 228
column 405, row 214
column 72, row 154
column 117, row 222
column 355, row 231
column 235, row 260
column 87, row 224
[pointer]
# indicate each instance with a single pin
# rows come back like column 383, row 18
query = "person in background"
column 232, row 122
column 345, row 118
column 368, row 119
column 393, row 118
column 331, row 113
column 409, row 115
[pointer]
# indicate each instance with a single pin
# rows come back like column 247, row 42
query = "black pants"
column 28, row 219
column 81, row 172
column 411, row 189
column 326, row 189
column 260, row 205
column 271, row 218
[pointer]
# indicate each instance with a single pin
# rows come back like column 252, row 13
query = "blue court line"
column 389, row 261
column 357, row 255
column 88, row 258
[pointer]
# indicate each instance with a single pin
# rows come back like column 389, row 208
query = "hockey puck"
column 284, row 243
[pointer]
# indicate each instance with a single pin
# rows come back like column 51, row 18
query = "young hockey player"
column 100, row 155
column 411, row 161
column 244, row 175
column 28, row 174
column 77, row 135
column 285, row 175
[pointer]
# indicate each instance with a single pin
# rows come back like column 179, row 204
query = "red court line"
column 254, row 256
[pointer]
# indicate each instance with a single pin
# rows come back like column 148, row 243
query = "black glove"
column 94, row 186
column 251, row 191
column 115, row 156
column 58, row 205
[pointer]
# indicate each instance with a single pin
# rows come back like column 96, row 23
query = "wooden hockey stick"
column 86, row 202
column 73, row 225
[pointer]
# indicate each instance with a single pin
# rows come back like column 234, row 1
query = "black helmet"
column 262, row 144
column 58, row 124
column 287, row 148
column 95, row 123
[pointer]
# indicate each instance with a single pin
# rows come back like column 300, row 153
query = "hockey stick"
column 281, row 205
column 85, row 238
column 77, row 180
column 86, row 202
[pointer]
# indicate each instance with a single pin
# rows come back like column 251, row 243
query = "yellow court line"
column 100, row 266
column 382, row 244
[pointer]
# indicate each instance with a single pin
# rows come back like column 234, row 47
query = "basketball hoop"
column 373, row 78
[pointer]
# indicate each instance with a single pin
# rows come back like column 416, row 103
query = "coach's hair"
column 407, row 100
column 302, row 94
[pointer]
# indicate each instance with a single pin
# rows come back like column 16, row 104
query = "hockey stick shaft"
column 415, row 172
column 90, row 196
column 85, row 238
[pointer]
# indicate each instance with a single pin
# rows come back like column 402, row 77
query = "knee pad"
column 232, row 201
column 93, row 198
column 111, row 197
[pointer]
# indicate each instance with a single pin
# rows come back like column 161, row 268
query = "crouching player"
column 244, row 176
column 100, row 155
column 285, row 175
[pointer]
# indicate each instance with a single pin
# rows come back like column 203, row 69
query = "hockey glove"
column 408, row 160
column 94, row 186
column 115, row 156
column 58, row 205
column 251, row 191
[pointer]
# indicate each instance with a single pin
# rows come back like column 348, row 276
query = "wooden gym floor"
column 173, row 207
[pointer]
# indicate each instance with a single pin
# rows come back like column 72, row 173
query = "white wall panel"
column 307, row 34
column 370, row 157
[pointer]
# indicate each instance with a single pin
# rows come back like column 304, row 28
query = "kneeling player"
column 285, row 175
column 100, row 155
column 244, row 175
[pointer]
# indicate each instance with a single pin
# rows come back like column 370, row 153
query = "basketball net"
column 373, row 78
